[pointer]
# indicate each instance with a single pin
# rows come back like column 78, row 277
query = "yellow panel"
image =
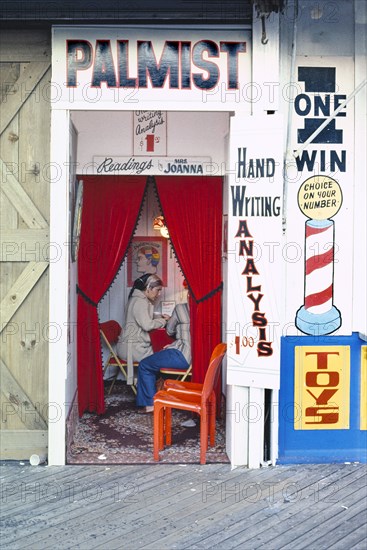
column 364, row 388
column 322, row 388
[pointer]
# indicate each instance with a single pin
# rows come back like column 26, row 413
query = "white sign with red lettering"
column 150, row 133
column 255, row 266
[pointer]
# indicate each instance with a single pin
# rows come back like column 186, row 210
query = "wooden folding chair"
column 159, row 339
column 110, row 332
column 180, row 374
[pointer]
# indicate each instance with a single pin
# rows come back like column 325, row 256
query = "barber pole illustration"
column 319, row 266
column 319, row 198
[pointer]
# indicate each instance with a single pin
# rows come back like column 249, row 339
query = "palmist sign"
column 121, row 68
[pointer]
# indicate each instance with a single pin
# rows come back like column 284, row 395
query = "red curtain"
column 111, row 206
column 192, row 208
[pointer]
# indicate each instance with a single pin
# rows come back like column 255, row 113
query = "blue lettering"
column 158, row 72
column 74, row 47
column 103, row 70
column 212, row 69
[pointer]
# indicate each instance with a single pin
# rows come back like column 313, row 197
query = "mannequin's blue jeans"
column 148, row 371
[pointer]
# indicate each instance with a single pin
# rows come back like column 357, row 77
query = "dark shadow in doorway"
column 122, row 436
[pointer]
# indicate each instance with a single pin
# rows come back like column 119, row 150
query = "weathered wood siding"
column 25, row 73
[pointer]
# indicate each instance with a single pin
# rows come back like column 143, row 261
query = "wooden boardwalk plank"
column 362, row 543
column 146, row 501
column 229, row 518
column 180, row 508
column 34, row 525
column 305, row 516
column 245, row 527
column 48, row 475
column 256, row 509
column 151, row 495
column 350, row 536
column 317, row 530
column 248, row 530
column 21, row 497
column 106, row 500
column 310, row 496
column 81, row 495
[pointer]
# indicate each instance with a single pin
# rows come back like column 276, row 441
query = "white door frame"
column 59, row 273
column 242, row 438
column 59, row 280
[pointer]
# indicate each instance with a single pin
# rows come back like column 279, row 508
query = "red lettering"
column 322, row 357
column 324, row 396
column 237, row 342
column 312, row 379
column 324, row 417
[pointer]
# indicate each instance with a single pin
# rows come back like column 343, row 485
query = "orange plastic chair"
column 199, row 399
column 180, row 386
column 110, row 332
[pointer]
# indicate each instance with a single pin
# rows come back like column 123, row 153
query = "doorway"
column 185, row 140
column 120, row 432
column 102, row 133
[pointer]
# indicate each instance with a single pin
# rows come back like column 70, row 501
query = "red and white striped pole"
column 319, row 197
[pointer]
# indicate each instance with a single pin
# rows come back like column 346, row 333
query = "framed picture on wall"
column 147, row 255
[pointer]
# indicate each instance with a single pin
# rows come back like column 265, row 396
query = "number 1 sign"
column 150, row 133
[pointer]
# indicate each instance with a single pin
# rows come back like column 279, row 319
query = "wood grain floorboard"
column 188, row 507
column 360, row 533
column 226, row 520
column 246, row 523
column 312, row 518
column 92, row 501
column 155, row 505
column 80, row 496
column 81, row 517
column 349, row 535
column 55, row 488
column 199, row 505
column 307, row 510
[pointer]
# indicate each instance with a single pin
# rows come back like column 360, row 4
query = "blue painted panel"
column 320, row 446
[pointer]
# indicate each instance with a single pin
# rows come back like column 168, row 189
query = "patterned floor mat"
column 122, row 436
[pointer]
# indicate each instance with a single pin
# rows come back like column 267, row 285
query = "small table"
column 159, row 339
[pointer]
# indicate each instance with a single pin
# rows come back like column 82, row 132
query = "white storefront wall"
column 250, row 124
column 250, row 90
